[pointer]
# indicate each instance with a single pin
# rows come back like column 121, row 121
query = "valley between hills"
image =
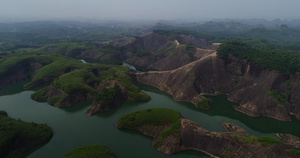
column 260, row 75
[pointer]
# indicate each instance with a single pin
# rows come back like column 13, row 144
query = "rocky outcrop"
column 59, row 98
column 227, row 144
column 244, row 82
column 295, row 93
column 289, row 139
column 233, row 143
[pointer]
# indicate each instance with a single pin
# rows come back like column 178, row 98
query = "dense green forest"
column 17, row 136
column 267, row 56
column 276, row 48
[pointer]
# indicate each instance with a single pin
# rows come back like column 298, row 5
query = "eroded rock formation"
column 236, row 142
column 244, row 82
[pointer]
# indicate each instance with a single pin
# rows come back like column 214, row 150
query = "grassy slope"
column 12, row 131
column 75, row 81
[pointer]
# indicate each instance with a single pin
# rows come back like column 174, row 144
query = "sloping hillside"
column 259, row 92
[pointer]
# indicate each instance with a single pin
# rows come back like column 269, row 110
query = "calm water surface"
column 72, row 128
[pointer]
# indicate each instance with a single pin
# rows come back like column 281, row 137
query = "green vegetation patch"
column 59, row 65
column 143, row 53
column 92, row 151
column 12, row 131
column 139, row 96
column 40, row 95
column 274, row 58
column 173, row 52
column 159, row 50
column 264, row 140
column 75, row 81
column 21, row 59
column 155, row 117
column 158, row 143
column 173, row 130
column 107, row 95
column 294, row 152
column 280, row 97
column 203, row 104
column 119, row 73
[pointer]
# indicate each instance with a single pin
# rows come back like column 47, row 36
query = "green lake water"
column 72, row 128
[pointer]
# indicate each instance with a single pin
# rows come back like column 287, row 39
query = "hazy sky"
column 150, row 9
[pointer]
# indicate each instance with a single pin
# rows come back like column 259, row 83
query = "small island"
column 172, row 133
column 93, row 151
column 17, row 137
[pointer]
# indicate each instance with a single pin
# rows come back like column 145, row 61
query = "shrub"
column 39, row 95
column 143, row 53
column 203, row 104
column 158, row 143
column 280, row 97
column 294, row 152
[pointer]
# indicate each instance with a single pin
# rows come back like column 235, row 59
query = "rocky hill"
column 259, row 92
column 172, row 133
column 189, row 67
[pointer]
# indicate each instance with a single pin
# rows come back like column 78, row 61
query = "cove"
column 72, row 128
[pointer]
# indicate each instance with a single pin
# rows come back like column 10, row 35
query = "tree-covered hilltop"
column 265, row 55
column 17, row 136
column 149, row 119
column 65, row 81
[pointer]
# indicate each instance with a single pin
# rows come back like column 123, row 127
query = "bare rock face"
column 244, row 82
column 190, row 40
column 289, row 139
column 217, row 144
column 295, row 93
column 227, row 144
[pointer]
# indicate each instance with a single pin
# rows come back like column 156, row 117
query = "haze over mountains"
column 192, row 10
